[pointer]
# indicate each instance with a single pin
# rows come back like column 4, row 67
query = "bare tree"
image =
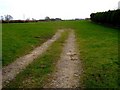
column 47, row 18
column 8, row 17
column 33, row 19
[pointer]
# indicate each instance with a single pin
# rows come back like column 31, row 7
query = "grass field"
column 19, row 39
column 98, row 46
column 35, row 75
column 99, row 54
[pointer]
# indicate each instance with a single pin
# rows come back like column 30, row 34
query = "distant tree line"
column 108, row 17
column 9, row 19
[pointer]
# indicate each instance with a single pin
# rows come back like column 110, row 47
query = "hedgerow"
column 108, row 17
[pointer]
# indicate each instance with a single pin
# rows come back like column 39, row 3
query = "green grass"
column 98, row 46
column 35, row 75
column 19, row 39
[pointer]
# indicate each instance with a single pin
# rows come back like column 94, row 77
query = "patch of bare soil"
column 9, row 72
column 68, row 68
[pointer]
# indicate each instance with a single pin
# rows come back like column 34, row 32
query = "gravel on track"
column 68, row 68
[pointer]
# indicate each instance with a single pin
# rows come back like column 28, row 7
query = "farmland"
column 97, row 46
column 19, row 39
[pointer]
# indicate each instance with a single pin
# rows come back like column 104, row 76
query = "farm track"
column 68, row 68
column 9, row 72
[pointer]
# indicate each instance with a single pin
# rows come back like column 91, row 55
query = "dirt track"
column 9, row 72
column 68, row 68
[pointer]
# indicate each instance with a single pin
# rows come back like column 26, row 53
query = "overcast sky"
column 65, row 9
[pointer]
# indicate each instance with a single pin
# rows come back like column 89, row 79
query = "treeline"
column 108, row 17
column 19, row 21
column 9, row 19
column 26, row 21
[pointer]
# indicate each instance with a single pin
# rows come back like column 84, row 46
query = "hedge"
column 108, row 17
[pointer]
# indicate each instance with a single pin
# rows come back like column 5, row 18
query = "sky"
column 64, row 9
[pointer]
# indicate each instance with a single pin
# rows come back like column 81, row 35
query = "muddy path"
column 9, row 72
column 68, row 68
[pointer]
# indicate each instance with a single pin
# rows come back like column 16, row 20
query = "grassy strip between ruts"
column 38, row 71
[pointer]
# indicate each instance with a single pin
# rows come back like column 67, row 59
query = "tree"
column 8, row 17
column 33, row 19
column 47, row 18
column 2, row 18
